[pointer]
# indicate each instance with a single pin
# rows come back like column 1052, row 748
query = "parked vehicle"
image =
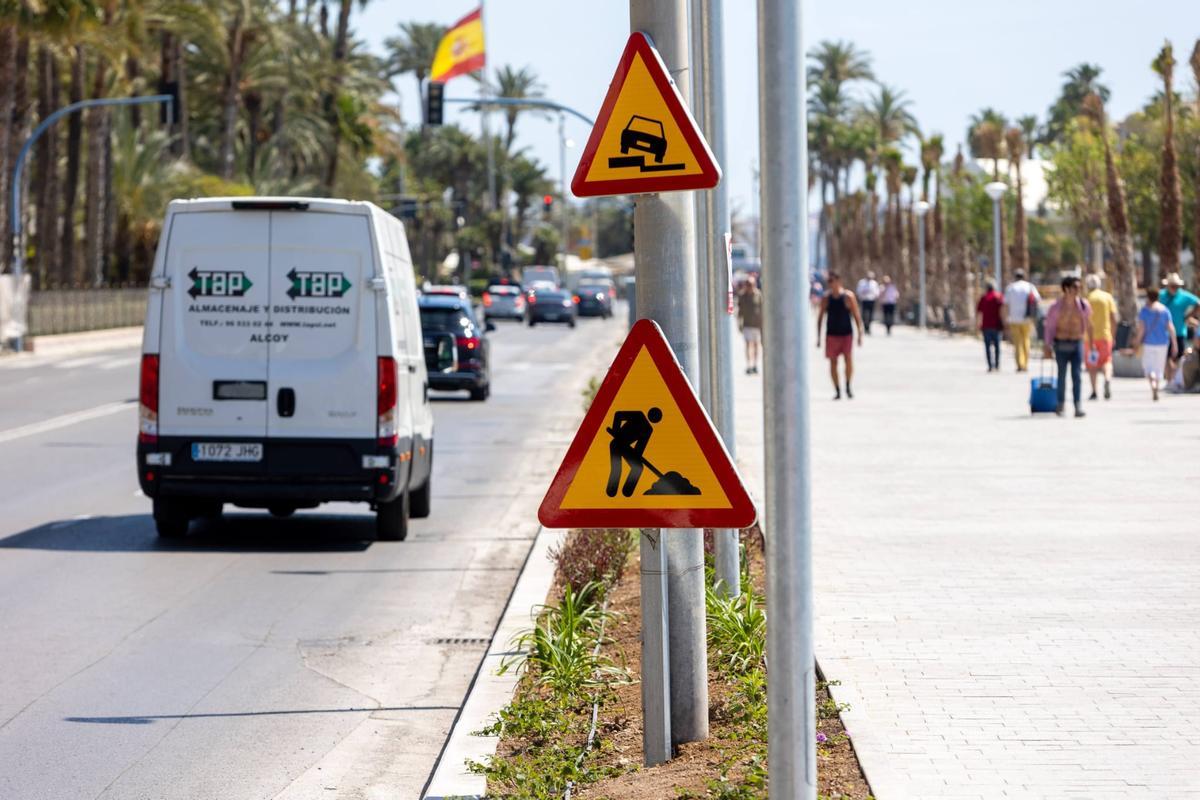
column 552, row 306
column 503, row 301
column 280, row 364
column 452, row 290
column 457, row 352
column 595, row 300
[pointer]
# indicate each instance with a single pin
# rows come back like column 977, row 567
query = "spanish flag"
column 461, row 50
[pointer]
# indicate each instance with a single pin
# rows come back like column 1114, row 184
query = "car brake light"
column 575, row 299
column 467, row 342
column 148, row 400
column 487, row 301
column 386, row 402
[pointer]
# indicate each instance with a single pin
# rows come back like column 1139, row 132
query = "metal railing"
column 73, row 310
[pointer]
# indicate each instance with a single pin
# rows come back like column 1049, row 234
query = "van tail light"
column 148, row 400
column 386, row 402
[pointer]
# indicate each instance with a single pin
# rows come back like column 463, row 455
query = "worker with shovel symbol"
column 630, row 432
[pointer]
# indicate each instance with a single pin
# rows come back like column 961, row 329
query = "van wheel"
column 282, row 512
column 171, row 518
column 391, row 519
column 482, row 393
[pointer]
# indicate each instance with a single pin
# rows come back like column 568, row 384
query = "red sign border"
column 741, row 513
column 640, row 44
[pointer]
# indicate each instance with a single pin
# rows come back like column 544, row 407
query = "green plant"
column 589, row 392
column 560, row 652
column 737, row 631
column 593, row 555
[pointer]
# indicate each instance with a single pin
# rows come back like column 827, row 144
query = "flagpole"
column 485, row 94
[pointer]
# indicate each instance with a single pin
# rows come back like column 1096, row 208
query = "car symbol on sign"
column 646, row 135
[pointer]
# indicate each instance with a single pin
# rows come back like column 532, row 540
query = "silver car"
column 504, row 301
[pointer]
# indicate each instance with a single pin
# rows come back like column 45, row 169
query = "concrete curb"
column 489, row 692
column 69, row 344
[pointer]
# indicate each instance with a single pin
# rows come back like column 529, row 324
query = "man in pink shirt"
column 1068, row 332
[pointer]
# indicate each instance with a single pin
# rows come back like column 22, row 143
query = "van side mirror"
column 447, row 353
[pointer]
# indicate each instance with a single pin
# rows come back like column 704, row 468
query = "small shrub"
column 737, row 632
column 593, row 555
column 589, row 392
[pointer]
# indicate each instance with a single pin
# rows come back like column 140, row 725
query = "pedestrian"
column 867, row 293
column 889, row 296
column 989, row 321
column 750, row 321
column 1104, row 324
column 1180, row 302
column 1068, row 334
column 1021, row 304
column 1156, row 336
column 840, row 306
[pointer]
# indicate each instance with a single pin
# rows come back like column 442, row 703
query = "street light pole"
column 922, row 208
column 783, row 156
column 996, row 190
column 562, row 189
column 716, row 325
column 665, row 259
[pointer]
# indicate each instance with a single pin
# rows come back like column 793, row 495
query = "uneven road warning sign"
column 644, row 140
column 646, row 454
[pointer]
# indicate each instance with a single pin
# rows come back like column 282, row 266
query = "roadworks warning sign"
column 646, row 454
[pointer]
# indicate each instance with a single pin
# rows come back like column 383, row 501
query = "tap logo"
column 218, row 283
column 317, row 284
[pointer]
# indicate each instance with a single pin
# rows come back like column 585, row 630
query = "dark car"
column 456, row 346
column 504, row 301
column 595, row 300
column 551, row 306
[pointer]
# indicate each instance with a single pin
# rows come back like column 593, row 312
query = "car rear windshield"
column 503, row 290
column 593, row 288
column 444, row 320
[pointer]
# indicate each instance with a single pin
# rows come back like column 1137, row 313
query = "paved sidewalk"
column 1011, row 604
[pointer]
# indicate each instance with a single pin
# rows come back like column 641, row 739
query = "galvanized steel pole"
column 996, row 238
column 921, row 272
column 665, row 259
column 784, row 158
column 712, row 220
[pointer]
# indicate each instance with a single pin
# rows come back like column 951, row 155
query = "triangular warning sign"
column 644, row 139
column 646, row 454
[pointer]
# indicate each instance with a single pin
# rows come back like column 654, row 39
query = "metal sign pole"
column 656, row 657
column 783, row 154
column 665, row 258
column 716, row 325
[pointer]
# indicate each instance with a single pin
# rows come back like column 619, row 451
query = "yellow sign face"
column 670, row 447
column 644, row 139
column 646, row 454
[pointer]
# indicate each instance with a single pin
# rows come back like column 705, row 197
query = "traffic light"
column 433, row 103
column 547, row 204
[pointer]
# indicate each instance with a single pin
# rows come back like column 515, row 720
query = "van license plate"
column 227, row 451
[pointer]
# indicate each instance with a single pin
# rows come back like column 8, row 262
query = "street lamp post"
column 922, row 208
column 996, row 190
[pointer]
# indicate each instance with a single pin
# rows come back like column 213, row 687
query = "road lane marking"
column 64, row 420
column 118, row 363
column 85, row 361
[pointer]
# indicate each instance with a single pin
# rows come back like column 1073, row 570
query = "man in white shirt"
column 1021, row 303
column 867, row 293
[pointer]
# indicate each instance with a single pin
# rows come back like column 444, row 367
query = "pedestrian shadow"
column 235, row 532
column 150, row 719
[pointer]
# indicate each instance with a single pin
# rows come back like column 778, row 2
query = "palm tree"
column 837, row 63
column 1118, row 217
column 909, row 232
column 332, row 101
column 888, row 112
column 1082, row 80
column 518, row 83
column 1195, row 62
column 1170, row 230
column 931, row 160
column 1029, row 130
column 413, row 51
column 1014, row 139
column 985, row 137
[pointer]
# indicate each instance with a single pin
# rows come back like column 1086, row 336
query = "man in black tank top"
column 839, row 307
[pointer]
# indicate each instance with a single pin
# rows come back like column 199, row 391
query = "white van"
column 283, row 363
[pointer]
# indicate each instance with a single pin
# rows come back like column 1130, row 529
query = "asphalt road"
column 258, row 658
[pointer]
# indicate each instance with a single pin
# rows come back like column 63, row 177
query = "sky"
column 950, row 57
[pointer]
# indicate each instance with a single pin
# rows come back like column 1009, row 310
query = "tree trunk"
column 1125, row 281
column 1020, row 248
column 179, row 62
column 49, row 269
column 70, row 267
column 133, row 71
column 93, row 216
column 8, row 52
column 331, row 112
column 229, row 100
column 19, row 130
column 110, row 206
column 1170, row 230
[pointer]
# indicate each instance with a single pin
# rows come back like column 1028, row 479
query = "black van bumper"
column 291, row 471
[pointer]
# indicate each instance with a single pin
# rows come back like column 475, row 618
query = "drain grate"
column 465, row 641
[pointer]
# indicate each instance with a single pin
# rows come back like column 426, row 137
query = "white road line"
column 72, row 363
column 118, row 363
column 63, row 421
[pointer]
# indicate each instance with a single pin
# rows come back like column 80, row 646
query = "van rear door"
column 322, row 368
column 213, row 367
